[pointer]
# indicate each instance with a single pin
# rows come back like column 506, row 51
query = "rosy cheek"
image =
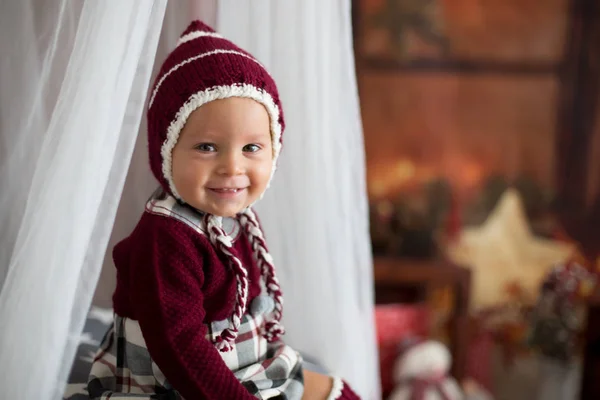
column 265, row 175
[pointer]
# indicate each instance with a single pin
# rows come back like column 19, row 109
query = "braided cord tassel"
column 223, row 243
column 273, row 328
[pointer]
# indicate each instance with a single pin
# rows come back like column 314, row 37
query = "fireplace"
column 463, row 99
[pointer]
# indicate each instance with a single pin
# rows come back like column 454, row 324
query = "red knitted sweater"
column 170, row 279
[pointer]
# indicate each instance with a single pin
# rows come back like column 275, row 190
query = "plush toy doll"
column 421, row 372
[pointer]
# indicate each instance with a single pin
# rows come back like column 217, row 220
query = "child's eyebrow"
column 207, row 135
column 258, row 137
column 203, row 135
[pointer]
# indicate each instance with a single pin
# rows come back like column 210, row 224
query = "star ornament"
column 503, row 252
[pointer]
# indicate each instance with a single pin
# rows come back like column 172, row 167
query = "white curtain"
column 140, row 182
column 315, row 213
column 74, row 77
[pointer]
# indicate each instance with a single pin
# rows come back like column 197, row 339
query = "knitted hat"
column 202, row 68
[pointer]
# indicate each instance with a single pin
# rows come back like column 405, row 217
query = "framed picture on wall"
column 463, row 35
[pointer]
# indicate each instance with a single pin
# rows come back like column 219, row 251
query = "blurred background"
column 439, row 185
column 482, row 136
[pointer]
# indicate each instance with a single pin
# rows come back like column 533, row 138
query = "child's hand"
column 316, row 386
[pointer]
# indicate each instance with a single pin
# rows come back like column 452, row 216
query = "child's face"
column 223, row 159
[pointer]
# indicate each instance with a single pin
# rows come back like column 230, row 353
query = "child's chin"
column 228, row 212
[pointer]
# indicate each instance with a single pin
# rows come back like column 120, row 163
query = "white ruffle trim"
column 336, row 390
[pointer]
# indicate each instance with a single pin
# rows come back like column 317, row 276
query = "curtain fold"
column 315, row 213
column 66, row 149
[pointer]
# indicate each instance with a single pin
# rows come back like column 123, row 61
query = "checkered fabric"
column 161, row 203
column 124, row 369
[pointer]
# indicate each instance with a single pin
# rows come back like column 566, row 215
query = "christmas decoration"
column 503, row 251
column 422, row 373
column 559, row 316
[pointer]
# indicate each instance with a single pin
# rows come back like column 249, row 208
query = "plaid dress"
column 124, row 369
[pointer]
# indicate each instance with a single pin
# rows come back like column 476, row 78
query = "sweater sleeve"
column 166, row 281
column 347, row 393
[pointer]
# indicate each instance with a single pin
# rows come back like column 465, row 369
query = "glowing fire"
column 386, row 179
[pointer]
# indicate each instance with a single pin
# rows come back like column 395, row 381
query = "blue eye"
column 206, row 147
column 251, row 148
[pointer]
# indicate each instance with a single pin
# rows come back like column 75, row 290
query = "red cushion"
column 396, row 322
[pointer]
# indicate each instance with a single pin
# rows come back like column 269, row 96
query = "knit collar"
column 162, row 203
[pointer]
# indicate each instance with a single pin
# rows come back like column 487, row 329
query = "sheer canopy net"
column 74, row 77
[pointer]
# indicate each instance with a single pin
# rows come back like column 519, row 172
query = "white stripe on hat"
column 215, row 93
column 189, row 60
column 196, row 35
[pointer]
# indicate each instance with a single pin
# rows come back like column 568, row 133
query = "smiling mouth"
column 227, row 190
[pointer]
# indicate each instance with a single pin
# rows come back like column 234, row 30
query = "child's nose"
column 231, row 163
